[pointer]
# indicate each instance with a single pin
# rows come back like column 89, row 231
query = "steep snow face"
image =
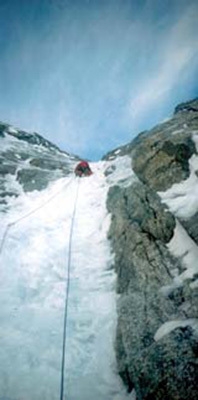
column 34, row 278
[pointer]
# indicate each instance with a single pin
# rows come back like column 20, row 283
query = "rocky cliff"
column 154, row 235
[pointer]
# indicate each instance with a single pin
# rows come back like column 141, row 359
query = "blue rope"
column 27, row 215
column 67, row 296
column 68, row 271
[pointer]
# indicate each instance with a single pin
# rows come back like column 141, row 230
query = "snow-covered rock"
column 29, row 162
column 156, row 253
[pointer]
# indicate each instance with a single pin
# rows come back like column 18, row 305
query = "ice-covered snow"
column 182, row 197
column 10, row 142
column 32, row 296
column 117, row 151
column 177, row 131
column 183, row 247
column 11, row 129
column 120, row 171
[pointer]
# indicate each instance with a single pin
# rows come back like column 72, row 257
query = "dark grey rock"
column 191, row 225
column 33, row 179
column 3, row 128
column 191, row 106
column 160, row 163
column 174, row 367
column 49, row 164
column 140, row 228
column 13, row 157
column 160, row 157
column 140, row 205
column 8, row 193
column 7, row 169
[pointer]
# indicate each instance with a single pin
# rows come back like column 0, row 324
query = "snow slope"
column 34, row 278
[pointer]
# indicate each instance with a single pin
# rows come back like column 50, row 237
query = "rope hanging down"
column 67, row 295
column 30, row 213
column 68, row 270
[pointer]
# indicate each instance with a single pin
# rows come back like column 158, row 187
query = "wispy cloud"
column 180, row 50
column 86, row 74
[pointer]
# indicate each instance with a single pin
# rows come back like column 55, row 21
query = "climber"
column 83, row 169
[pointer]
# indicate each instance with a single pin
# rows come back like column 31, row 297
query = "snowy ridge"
column 34, row 138
column 27, row 163
column 33, row 284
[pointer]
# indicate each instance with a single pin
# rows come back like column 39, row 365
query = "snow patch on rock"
column 169, row 326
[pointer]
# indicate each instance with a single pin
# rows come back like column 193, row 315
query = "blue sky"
column 91, row 74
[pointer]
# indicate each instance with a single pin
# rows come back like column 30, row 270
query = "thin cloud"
column 85, row 76
column 181, row 49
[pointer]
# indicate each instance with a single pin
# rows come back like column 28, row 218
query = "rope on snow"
column 67, row 295
column 9, row 225
column 28, row 214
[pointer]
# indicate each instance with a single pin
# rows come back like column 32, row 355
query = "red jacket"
column 83, row 164
column 83, row 168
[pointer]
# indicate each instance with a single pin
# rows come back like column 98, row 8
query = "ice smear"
column 117, row 151
column 177, row 131
column 183, row 247
column 33, row 283
column 182, row 201
column 120, row 171
column 11, row 129
column 169, row 326
column 182, row 197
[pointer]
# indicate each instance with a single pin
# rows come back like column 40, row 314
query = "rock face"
column 160, row 156
column 166, row 366
column 29, row 162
